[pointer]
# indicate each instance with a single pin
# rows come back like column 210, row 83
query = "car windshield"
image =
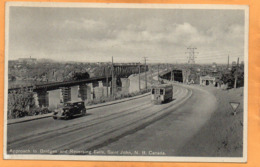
column 68, row 105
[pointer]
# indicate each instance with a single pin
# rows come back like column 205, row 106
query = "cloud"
column 180, row 34
column 91, row 36
column 84, row 24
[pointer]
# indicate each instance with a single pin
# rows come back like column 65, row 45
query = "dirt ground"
column 222, row 135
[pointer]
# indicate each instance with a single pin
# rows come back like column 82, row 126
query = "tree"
column 20, row 103
column 228, row 77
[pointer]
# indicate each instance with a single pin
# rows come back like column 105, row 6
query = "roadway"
column 134, row 125
column 98, row 128
column 169, row 134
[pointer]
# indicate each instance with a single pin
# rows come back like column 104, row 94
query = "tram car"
column 161, row 93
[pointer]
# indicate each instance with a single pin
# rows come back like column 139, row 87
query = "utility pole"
column 145, row 72
column 228, row 62
column 112, row 82
column 139, row 67
column 191, row 58
column 171, row 74
column 106, row 71
column 158, row 72
column 151, row 76
column 236, row 73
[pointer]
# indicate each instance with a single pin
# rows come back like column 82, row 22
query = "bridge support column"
column 100, row 84
column 65, row 94
column 83, row 92
column 101, row 91
column 43, row 98
column 75, row 93
column 54, row 98
column 90, row 91
column 114, row 86
column 125, row 85
column 106, row 86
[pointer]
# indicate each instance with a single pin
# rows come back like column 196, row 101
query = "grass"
column 222, row 135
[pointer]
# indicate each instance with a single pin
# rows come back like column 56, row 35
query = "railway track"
column 100, row 130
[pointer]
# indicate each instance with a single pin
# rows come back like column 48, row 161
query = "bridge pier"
column 83, row 91
column 65, row 94
column 55, row 98
column 75, row 93
column 125, row 85
column 114, row 86
column 43, row 99
column 90, row 91
column 101, row 91
column 53, row 94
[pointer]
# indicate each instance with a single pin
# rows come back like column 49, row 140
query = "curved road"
column 167, row 135
column 100, row 127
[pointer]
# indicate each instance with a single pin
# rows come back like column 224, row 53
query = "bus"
column 161, row 93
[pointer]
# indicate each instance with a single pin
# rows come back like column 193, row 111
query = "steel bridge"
column 119, row 70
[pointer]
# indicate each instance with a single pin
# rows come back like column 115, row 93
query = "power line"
column 191, row 58
column 201, row 58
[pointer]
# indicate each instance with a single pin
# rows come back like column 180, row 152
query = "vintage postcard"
column 126, row 82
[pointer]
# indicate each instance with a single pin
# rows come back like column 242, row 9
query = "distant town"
column 30, row 71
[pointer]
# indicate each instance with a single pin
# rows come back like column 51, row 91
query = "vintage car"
column 70, row 110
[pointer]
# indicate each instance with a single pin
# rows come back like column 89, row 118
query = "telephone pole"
column 228, row 62
column 236, row 73
column 171, row 73
column 139, row 68
column 151, row 76
column 158, row 72
column 106, row 71
column 112, row 82
column 191, row 58
column 145, row 72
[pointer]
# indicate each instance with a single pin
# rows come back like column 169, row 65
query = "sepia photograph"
column 126, row 82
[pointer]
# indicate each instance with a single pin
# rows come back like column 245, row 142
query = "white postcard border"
column 129, row 158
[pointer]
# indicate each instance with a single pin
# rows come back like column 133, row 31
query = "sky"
column 97, row 34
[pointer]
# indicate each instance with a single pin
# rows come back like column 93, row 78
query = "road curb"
column 31, row 118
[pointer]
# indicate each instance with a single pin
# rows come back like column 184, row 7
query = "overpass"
column 91, row 88
column 57, row 85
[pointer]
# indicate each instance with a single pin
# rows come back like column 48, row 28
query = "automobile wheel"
column 54, row 117
column 83, row 112
column 67, row 117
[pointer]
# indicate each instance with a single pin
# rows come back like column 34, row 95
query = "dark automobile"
column 70, row 110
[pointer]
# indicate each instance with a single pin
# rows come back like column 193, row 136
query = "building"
column 207, row 80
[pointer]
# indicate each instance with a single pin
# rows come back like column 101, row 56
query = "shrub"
column 20, row 103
